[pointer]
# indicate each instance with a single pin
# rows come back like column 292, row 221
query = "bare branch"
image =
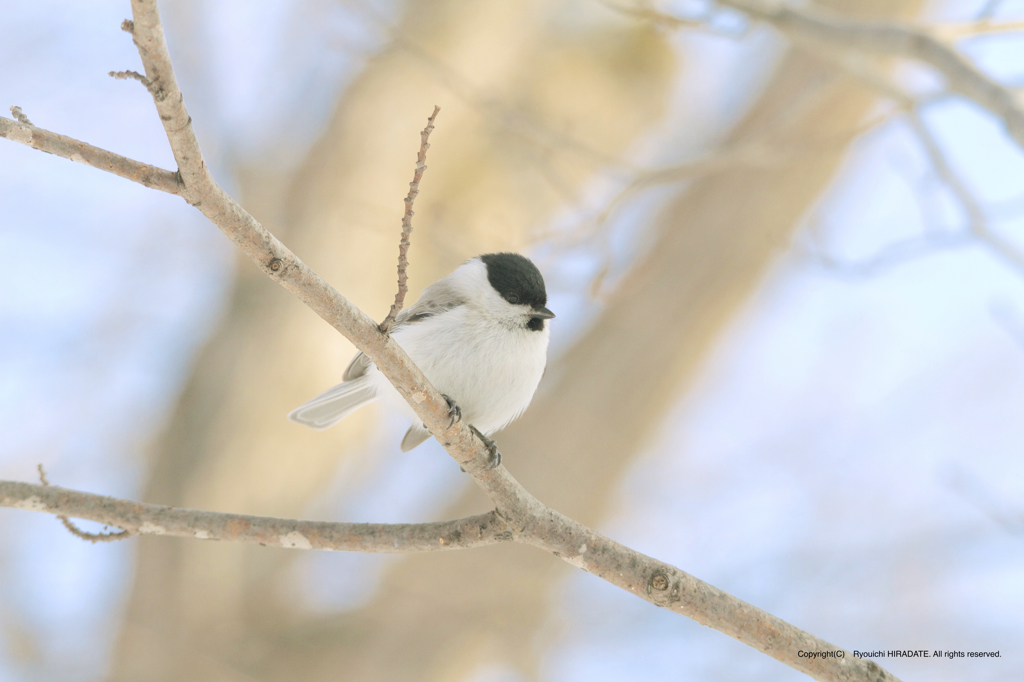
column 78, row 532
column 650, row 579
column 277, row 261
column 977, row 222
column 69, row 148
column 890, row 256
column 976, row 219
column 154, row 519
column 962, row 76
column 976, row 231
column 403, row 247
column 760, row 153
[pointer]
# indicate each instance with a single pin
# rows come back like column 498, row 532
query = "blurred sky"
column 847, row 412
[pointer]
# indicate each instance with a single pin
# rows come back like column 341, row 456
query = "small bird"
column 479, row 335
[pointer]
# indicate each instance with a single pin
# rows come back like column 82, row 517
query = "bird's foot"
column 454, row 411
column 494, row 457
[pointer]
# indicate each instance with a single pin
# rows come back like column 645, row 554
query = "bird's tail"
column 335, row 404
column 416, row 434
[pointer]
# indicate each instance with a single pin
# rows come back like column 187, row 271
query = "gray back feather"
column 437, row 298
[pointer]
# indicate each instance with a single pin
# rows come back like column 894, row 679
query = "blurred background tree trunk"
column 531, row 112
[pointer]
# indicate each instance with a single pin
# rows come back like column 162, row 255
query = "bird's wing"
column 439, row 297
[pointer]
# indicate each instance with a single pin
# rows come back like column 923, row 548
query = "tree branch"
column 655, row 581
column 517, row 511
column 78, row 532
column 962, row 76
column 23, row 132
column 977, row 222
column 403, row 247
column 823, row 35
column 154, row 519
column 275, row 259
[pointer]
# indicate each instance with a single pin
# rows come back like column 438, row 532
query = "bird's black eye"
column 512, row 298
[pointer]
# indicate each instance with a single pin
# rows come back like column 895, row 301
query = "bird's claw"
column 454, row 411
column 494, row 457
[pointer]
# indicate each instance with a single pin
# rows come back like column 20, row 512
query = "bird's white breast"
column 490, row 370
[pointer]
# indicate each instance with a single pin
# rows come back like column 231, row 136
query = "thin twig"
column 890, row 256
column 403, row 247
column 977, row 221
column 132, row 75
column 756, row 154
column 962, row 76
column 78, row 532
column 978, row 229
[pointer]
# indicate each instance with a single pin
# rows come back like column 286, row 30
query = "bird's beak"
column 541, row 313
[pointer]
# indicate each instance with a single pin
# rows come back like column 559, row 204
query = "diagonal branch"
column 154, row 519
column 275, row 259
column 517, row 511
